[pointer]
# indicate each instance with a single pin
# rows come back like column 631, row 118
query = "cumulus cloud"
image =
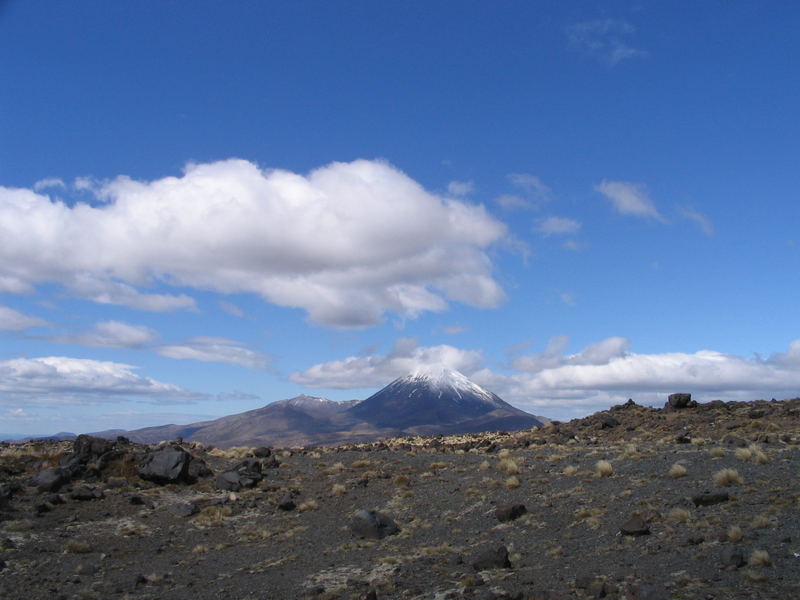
column 379, row 369
column 47, row 183
column 460, row 188
column 629, row 199
column 346, row 243
column 230, row 308
column 564, row 385
column 112, row 334
column 603, row 39
column 12, row 320
column 699, row 219
column 213, row 349
column 558, row 226
column 60, row 380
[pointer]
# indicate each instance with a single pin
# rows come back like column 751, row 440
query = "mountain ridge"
column 428, row 401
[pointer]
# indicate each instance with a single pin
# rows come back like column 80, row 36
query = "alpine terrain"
column 426, row 402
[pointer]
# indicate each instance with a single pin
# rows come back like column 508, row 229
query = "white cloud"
column 514, row 202
column 379, row 369
column 603, row 39
column 60, row 380
column 568, row 298
column 11, row 320
column 460, row 188
column 558, row 226
column 230, row 308
column 562, row 386
column 213, row 349
column 699, row 219
column 346, row 243
column 47, row 183
column 112, row 334
column 455, row 329
column 629, row 199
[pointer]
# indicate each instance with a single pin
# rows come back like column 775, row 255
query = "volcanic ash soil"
column 637, row 503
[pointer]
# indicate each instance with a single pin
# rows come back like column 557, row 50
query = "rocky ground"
column 637, row 503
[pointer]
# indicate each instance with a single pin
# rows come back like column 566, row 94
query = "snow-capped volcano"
column 441, row 398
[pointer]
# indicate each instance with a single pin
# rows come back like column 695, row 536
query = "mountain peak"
column 440, row 378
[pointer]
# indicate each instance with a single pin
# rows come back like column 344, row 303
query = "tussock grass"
column 570, row 470
column 759, row 558
column 78, row 547
column 308, row 505
column 603, row 468
column 512, row 482
column 760, row 522
column 213, row 516
column 727, row 478
column 677, row 470
column 509, row 466
column 361, row 464
column 735, row 533
column 678, row 515
column 338, row 489
column 717, row 452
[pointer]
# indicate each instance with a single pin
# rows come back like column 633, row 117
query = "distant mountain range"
column 426, row 402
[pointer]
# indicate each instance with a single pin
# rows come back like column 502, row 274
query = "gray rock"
column 733, row 558
column 83, row 494
column 492, row 559
column 183, row 509
column 233, row 482
column 287, row 504
column 635, row 526
column 372, row 524
column 262, row 452
column 169, row 465
column 51, row 480
column 680, row 401
column 709, row 498
column 198, row 469
column 509, row 512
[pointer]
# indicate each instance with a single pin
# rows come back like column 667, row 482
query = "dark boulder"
column 287, row 504
column 635, row 526
column 492, row 559
column 509, row 512
column 6, row 492
column 710, row 498
column 89, row 448
column 262, row 452
column 198, row 469
column 679, row 402
column 84, row 494
column 169, row 465
column 372, row 524
column 51, row 480
column 233, row 481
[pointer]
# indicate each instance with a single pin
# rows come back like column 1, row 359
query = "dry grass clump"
column 752, row 453
column 484, row 466
column 677, row 470
column 338, row 489
column 759, row 558
column 200, row 549
column 727, row 478
column 631, row 451
column 333, row 469
column 236, row 452
column 509, row 466
column 308, row 505
column 603, row 468
column 718, row 452
column 735, row 533
column 760, row 522
column 504, row 453
column 402, row 481
column 78, row 547
column 512, row 482
column 678, row 515
column 213, row 516
column 570, row 470
column 361, row 464
column 439, row 465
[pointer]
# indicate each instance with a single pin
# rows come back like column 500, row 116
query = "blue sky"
column 206, row 207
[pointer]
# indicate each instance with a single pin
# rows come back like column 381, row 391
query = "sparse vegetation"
column 603, row 468
column 759, row 558
column 727, row 478
column 677, row 470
